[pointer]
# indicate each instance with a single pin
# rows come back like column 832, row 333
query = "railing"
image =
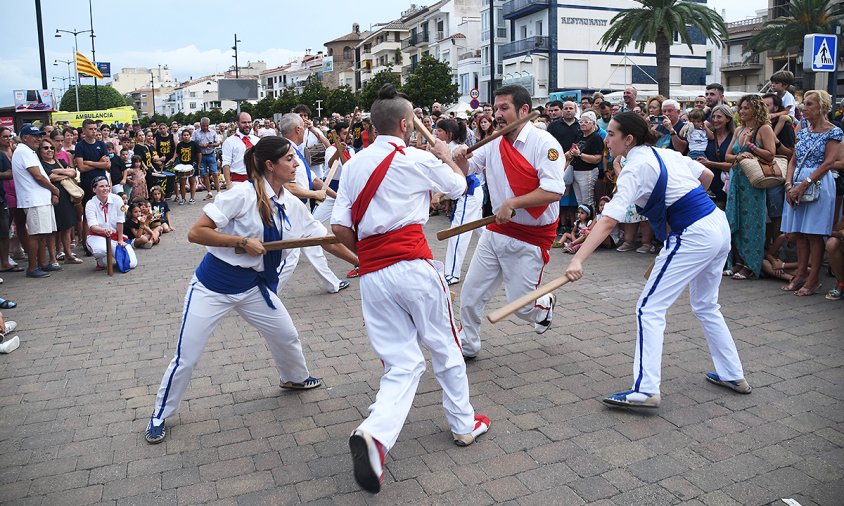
column 747, row 22
column 468, row 55
column 524, row 46
column 514, row 6
column 408, row 69
column 739, row 61
column 438, row 36
column 415, row 39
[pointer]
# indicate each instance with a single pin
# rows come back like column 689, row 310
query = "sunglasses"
column 51, row 148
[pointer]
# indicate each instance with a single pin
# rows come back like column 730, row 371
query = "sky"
column 194, row 38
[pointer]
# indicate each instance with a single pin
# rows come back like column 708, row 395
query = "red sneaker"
column 353, row 273
column 368, row 461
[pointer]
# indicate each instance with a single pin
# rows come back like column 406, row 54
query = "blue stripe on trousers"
column 457, row 243
column 178, row 352
column 639, row 313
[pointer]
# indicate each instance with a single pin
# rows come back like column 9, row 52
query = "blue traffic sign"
column 474, row 104
column 820, row 52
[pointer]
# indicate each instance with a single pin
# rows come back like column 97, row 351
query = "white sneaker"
column 482, row 425
column 367, row 460
column 10, row 326
column 10, row 345
column 545, row 324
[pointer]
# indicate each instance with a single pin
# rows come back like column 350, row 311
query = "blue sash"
column 691, row 207
column 472, row 182
column 307, row 168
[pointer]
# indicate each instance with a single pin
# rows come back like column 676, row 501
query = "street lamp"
column 69, row 79
column 75, row 34
column 236, row 72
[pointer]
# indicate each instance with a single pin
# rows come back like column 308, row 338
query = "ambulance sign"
column 820, row 52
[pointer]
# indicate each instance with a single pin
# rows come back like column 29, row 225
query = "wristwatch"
column 808, row 180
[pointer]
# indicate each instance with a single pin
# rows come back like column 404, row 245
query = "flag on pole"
column 85, row 66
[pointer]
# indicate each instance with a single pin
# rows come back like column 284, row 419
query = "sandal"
column 806, row 292
column 794, row 285
column 7, row 304
column 744, row 274
column 14, row 268
column 836, row 293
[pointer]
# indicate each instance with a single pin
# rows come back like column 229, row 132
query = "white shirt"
column 233, row 151
column 404, row 197
column 639, row 176
column 538, row 147
column 301, row 172
column 788, row 100
column 329, row 152
column 30, row 193
column 236, row 212
column 266, row 132
column 97, row 218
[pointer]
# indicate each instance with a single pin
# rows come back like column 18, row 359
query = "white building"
column 555, row 47
column 494, row 34
column 200, row 95
column 133, row 78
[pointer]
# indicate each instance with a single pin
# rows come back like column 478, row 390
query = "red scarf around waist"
column 383, row 250
column 521, row 175
column 239, row 178
column 541, row 236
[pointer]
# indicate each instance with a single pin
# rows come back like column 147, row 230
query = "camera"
column 657, row 120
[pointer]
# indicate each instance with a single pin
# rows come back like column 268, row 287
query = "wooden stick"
column 466, row 227
column 504, row 131
column 424, row 131
column 530, row 298
column 330, row 176
column 295, row 243
column 109, row 257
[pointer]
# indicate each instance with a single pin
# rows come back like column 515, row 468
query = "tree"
column 656, row 22
column 802, row 18
column 109, row 97
column 432, row 81
column 370, row 88
column 265, row 107
column 340, row 100
column 312, row 91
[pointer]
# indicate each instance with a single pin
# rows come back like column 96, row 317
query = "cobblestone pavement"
column 75, row 398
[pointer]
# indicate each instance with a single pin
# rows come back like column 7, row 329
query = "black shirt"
column 132, row 228
column 716, row 153
column 90, row 153
column 165, row 147
column 357, row 133
column 592, row 144
column 188, row 153
column 787, row 137
column 144, row 153
column 118, row 167
column 565, row 134
column 5, row 164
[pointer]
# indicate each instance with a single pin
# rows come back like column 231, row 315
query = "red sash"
column 521, row 175
column 383, row 250
column 239, row 178
column 346, row 156
column 541, row 236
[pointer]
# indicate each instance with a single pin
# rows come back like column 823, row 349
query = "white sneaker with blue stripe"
column 632, row 399
column 155, row 433
column 740, row 385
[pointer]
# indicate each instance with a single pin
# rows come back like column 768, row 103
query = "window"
column 576, row 73
column 621, row 75
column 347, row 53
column 523, row 31
column 193, row 105
column 144, row 104
column 538, row 28
column 445, row 57
column 675, row 75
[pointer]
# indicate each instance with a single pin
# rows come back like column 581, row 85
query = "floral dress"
column 812, row 217
column 746, row 212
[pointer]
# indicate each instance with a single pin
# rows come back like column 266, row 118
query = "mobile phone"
column 657, row 120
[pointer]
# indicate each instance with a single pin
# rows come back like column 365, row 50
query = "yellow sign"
column 125, row 115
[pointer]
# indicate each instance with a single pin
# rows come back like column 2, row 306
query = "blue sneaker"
column 343, row 285
column 155, row 435
column 308, row 384
column 632, row 399
column 740, row 385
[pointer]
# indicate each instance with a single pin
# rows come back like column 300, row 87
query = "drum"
column 166, row 180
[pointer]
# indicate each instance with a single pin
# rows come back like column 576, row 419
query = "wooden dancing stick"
column 504, row 131
column 529, row 298
column 466, row 227
column 294, row 243
column 330, row 176
column 109, row 257
column 424, row 131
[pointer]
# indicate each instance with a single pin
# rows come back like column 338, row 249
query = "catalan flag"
column 86, row 66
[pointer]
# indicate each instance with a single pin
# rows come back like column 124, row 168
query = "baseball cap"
column 28, row 129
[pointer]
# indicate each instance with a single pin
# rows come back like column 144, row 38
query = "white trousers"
column 203, row 310
column 584, row 186
column 322, row 213
column 499, row 258
column 406, row 306
column 97, row 245
column 694, row 259
column 316, row 256
column 467, row 208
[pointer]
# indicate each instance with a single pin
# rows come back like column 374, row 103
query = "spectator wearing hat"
column 36, row 197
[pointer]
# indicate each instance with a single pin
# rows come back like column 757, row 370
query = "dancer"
column 246, row 283
column 693, row 255
column 380, row 209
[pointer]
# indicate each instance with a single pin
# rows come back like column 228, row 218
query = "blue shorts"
column 208, row 163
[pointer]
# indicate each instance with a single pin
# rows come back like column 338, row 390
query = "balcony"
column 521, row 8
column 409, row 69
column 438, row 36
column 385, row 45
column 469, row 55
column 414, row 40
column 740, row 63
column 524, row 46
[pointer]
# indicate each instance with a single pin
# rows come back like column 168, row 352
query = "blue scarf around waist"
column 687, row 210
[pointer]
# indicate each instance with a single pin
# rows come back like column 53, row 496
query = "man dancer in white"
column 340, row 153
column 524, row 174
column 666, row 187
column 246, row 283
column 305, row 187
column 234, row 170
column 383, row 201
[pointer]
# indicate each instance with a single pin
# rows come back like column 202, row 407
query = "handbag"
column 121, row 258
column 72, row 189
column 813, row 191
column 764, row 175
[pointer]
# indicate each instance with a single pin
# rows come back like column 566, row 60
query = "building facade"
column 133, row 78
column 338, row 67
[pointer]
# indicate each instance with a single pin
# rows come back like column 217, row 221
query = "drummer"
column 187, row 156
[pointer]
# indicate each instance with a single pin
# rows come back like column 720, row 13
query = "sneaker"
column 191, row 201
column 368, row 461
column 181, row 202
column 52, row 267
column 482, row 425
column 740, row 385
column 10, row 345
column 308, row 384
column 632, row 399
column 208, row 197
column 545, row 324
column 626, row 246
column 37, row 273
column 155, row 434
column 645, row 248
column 353, row 273
column 59, row 256
column 343, row 285
column 10, row 327
column 835, row 293
column 451, row 280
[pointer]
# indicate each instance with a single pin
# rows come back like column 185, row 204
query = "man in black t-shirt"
column 91, row 157
column 357, row 132
column 566, row 129
column 164, row 145
column 187, row 164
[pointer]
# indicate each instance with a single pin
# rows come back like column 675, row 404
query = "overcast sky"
column 195, row 37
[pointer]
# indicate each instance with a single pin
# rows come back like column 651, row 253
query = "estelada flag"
column 85, row 66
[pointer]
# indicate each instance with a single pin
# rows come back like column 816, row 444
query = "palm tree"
column 656, row 22
column 802, row 18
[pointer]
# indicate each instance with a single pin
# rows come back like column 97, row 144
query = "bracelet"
column 242, row 242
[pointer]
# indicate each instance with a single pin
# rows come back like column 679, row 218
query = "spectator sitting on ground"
column 8, row 344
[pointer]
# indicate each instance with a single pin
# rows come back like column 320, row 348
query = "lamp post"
column 75, row 34
column 69, row 79
column 236, row 71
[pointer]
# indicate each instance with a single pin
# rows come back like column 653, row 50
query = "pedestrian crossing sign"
column 820, row 52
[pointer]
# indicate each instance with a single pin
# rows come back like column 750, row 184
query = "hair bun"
column 387, row 92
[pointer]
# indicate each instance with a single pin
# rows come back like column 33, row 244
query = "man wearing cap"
column 36, row 197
